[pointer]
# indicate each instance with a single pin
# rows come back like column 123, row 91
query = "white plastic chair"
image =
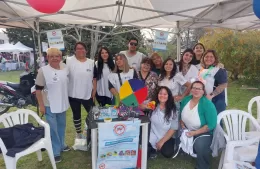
column 238, row 147
column 250, row 104
column 21, row 117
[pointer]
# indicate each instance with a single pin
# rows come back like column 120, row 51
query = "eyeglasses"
column 132, row 44
column 195, row 88
column 146, row 64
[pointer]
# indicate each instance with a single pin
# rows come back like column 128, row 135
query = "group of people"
column 189, row 94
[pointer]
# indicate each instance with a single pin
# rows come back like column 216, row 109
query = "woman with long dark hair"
column 164, row 123
column 198, row 49
column 189, row 71
column 105, row 65
column 173, row 80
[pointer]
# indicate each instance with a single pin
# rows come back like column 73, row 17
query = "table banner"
column 118, row 144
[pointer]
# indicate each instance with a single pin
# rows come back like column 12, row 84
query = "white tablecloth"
column 11, row 66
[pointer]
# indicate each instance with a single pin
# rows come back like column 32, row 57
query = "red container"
column 139, row 158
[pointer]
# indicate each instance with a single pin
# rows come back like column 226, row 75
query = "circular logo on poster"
column 161, row 34
column 102, row 166
column 53, row 33
column 119, row 129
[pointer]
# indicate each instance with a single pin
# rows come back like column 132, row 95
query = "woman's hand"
column 42, row 109
column 143, row 106
column 191, row 133
column 209, row 96
column 182, row 124
column 159, row 144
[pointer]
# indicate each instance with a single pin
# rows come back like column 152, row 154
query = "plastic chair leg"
column 39, row 155
column 51, row 156
column 10, row 162
column 221, row 161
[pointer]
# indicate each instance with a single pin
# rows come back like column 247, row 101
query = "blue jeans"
column 57, row 122
column 220, row 104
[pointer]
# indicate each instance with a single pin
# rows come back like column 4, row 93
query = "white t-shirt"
column 190, row 117
column 159, row 126
column 190, row 76
column 102, row 83
column 134, row 61
column 114, row 79
column 56, row 83
column 80, row 78
column 174, row 84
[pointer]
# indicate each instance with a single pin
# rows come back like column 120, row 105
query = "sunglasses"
column 132, row 44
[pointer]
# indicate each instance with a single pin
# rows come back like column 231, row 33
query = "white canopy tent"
column 18, row 47
column 179, row 14
column 15, row 49
column 22, row 47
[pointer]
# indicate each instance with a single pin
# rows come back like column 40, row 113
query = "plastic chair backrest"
column 250, row 104
column 235, row 123
column 20, row 116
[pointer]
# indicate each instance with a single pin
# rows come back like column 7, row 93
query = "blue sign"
column 160, row 41
column 118, row 144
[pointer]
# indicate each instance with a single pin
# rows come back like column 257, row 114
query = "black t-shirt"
column 194, row 61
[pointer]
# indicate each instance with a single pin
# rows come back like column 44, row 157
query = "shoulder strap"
column 119, row 77
column 142, row 76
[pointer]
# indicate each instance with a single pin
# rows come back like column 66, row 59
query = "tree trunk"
column 235, row 76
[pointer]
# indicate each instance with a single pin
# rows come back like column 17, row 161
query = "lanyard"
column 143, row 79
column 207, row 73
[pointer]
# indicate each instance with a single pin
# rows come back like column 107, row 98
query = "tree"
column 115, row 43
column 238, row 51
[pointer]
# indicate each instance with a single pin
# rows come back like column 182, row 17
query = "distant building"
column 3, row 38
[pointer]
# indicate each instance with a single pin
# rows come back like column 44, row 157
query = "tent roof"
column 234, row 14
column 18, row 47
column 22, row 46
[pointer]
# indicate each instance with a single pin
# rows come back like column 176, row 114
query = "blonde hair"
column 154, row 55
column 126, row 65
column 54, row 52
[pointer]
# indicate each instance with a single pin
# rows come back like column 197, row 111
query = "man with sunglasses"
column 133, row 56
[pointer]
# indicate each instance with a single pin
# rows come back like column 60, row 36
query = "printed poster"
column 55, row 39
column 118, row 144
column 160, row 41
column 44, row 46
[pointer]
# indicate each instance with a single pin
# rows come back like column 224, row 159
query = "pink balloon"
column 46, row 6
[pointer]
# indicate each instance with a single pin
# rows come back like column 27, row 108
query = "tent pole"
column 39, row 40
column 34, row 54
column 178, row 41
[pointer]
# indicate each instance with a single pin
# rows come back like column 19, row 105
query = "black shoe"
column 153, row 155
column 66, row 149
column 57, row 159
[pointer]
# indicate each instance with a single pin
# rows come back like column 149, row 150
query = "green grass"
column 237, row 98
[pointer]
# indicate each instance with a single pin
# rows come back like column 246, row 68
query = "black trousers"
column 103, row 100
column 75, row 105
column 167, row 149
